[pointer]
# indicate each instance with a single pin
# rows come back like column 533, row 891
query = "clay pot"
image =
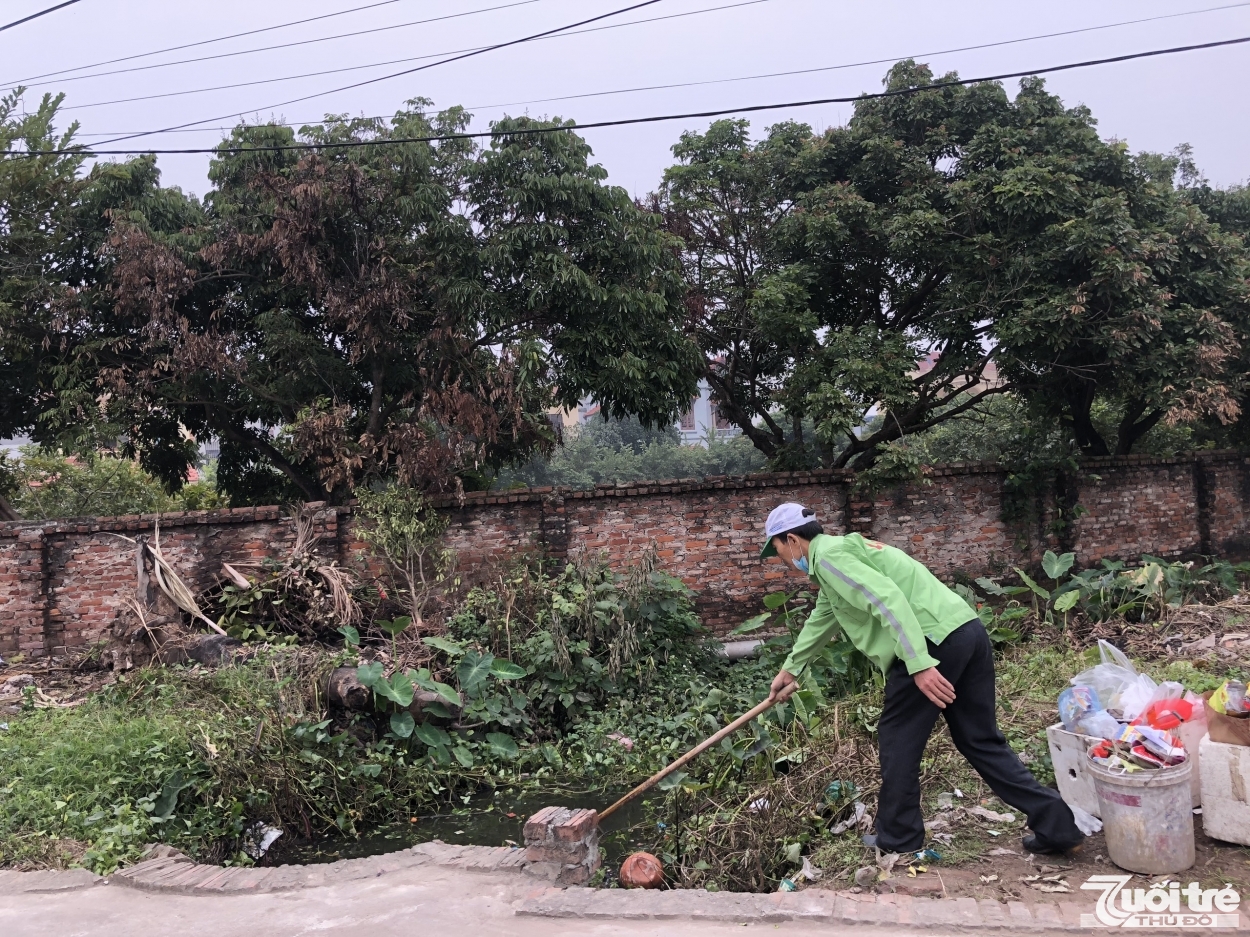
column 642, row 870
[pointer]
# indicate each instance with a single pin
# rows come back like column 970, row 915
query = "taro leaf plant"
column 486, row 700
column 1061, row 599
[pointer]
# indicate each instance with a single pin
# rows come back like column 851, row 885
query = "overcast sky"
column 1153, row 104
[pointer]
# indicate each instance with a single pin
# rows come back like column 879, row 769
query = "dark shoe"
column 1040, row 847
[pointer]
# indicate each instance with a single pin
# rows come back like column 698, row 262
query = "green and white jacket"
column 885, row 602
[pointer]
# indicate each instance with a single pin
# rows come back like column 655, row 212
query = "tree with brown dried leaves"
column 405, row 311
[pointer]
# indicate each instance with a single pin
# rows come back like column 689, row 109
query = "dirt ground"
column 49, row 682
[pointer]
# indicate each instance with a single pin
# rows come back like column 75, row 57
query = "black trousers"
column 966, row 660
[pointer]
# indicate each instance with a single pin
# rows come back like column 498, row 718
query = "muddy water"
column 487, row 820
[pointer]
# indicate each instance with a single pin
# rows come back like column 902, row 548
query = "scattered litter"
column 1000, row 851
column 1086, row 822
column 1051, row 884
column 4, row 727
column 959, row 793
column 1197, row 810
column 995, row 832
column 886, row 863
column 929, row 855
column 258, row 838
column 991, row 815
column 944, row 838
column 859, row 818
column 623, row 740
column 809, row 871
column 458, row 833
column 838, row 790
column 758, row 806
column 986, row 879
column 945, row 801
column 786, row 885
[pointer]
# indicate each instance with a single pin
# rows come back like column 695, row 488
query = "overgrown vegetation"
column 43, row 484
column 603, row 451
column 579, row 676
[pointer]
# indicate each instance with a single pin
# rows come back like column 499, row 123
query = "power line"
column 415, row 58
column 716, row 81
column 720, row 112
column 35, row 16
column 408, row 71
column 202, row 42
column 283, row 45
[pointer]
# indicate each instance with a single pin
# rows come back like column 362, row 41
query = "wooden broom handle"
column 696, row 751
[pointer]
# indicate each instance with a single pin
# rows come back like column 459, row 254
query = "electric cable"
column 407, row 71
column 692, row 84
column 35, row 16
column 415, row 58
column 284, row 45
column 201, row 42
column 86, row 150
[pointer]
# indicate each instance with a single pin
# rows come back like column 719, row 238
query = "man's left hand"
column 933, row 685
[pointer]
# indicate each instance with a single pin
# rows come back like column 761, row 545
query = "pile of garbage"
column 1133, row 719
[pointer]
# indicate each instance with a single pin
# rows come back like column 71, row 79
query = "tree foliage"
column 605, row 451
column 407, row 310
column 1000, row 242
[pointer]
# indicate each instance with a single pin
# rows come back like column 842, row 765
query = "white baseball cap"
column 782, row 519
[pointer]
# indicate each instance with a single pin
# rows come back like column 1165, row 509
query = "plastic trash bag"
column 1086, row 822
column 1136, row 696
column 1099, row 724
column 1074, row 703
column 1118, row 684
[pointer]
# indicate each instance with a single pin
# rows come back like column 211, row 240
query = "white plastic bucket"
column 1147, row 817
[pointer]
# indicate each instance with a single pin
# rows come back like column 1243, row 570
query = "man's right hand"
column 784, row 685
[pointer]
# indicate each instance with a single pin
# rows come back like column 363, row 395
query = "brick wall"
column 63, row 583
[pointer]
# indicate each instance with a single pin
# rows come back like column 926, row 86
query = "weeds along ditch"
column 546, row 686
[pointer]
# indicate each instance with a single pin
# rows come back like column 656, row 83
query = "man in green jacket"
column 937, row 659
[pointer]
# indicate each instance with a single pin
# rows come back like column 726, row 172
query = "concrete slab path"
column 425, row 900
column 448, row 891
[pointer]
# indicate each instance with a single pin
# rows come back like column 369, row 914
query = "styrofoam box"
column 1068, row 755
column 1076, row 785
column 1226, row 791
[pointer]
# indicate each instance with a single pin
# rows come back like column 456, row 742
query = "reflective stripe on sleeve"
column 909, row 653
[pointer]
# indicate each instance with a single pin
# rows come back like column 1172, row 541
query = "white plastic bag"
column 1111, row 678
column 1137, row 696
column 1168, row 689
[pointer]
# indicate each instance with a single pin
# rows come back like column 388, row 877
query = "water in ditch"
column 487, row 820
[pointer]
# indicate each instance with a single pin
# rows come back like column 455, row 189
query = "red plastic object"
column 1166, row 714
column 642, row 870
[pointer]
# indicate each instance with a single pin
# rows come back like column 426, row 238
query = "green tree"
column 606, row 451
column 1001, row 242
column 407, row 310
column 51, row 484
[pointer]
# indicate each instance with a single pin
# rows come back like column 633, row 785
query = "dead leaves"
column 1054, row 884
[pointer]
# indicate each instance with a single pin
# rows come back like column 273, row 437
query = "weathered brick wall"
column 63, row 583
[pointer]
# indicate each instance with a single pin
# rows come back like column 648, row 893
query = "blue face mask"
column 801, row 564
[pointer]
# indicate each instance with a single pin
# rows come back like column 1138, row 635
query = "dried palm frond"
column 340, row 582
column 170, row 582
column 173, row 586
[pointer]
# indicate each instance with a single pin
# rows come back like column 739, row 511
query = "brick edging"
column 178, row 875
column 814, row 905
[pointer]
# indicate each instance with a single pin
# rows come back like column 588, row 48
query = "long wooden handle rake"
column 696, row 751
